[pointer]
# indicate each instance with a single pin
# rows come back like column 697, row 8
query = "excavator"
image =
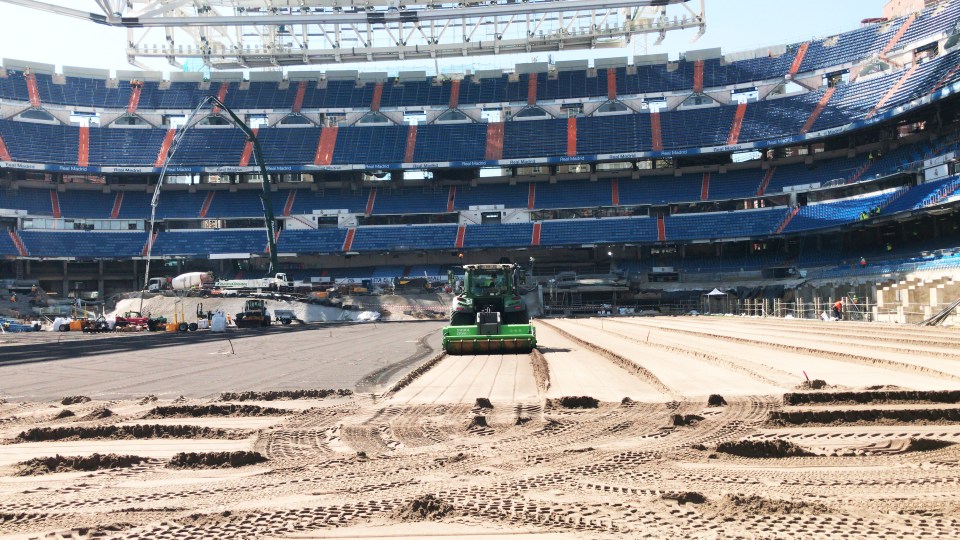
column 488, row 314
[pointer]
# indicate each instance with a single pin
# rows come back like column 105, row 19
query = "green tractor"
column 488, row 314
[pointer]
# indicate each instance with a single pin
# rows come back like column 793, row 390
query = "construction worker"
column 838, row 309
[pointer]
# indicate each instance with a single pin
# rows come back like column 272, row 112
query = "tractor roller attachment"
column 488, row 315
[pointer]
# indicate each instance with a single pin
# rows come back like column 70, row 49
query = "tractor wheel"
column 193, row 327
column 287, row 321
column 182, row 327
column 64, row 328
column 462, row 319
column 521, row 317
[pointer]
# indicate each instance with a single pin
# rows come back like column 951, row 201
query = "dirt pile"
column 870, row 416
column 776, row 448
column 815, row 384
column 889, row 396
column 197, row 411
column 215, row 460
column 716, row 400
column 74, row 400
column 420, row 370
column 125, row 432
column 686, row 419
column 483, row 403
column 98, row 414
column 274, row 395
column 541, row 370
column 147, row 399
column 65, row 413
column 424, row 508
column 477, row 422
column 684, row 497
column 578, row 402
column 754, row 505
column 93, row 462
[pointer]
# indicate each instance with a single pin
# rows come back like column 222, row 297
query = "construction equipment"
column 254, row 314
column 488, row 314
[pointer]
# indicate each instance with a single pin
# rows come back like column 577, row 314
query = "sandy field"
column 642, row 427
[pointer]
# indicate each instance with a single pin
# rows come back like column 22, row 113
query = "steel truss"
column 227, row 34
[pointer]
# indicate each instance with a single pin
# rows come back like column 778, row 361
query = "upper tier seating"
column 379, row 145
column 405, row 238
column 737, row 224
column 833, row 51
column 84, row 244
column 589, row 231
column 311, row 240
column 833, row 213
column 7, row 247
column 502, row 235
column 210, row 241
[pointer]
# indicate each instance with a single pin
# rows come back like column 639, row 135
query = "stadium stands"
column 84, row 244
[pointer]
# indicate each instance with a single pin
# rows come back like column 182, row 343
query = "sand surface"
column 514, row 463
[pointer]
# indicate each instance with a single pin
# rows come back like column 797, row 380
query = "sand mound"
column 686, row 419
column 578, row 402
column 477, row 422
column 98, row 413
column 124, row 432
column 876, row 396
column 424, row 508
column 753, row 505
column 273, row 395
column 776, row 448
column 716, row 400
column 147, row 399
column 58, row 463
column 684, row 497
column 74, row 400
column 65, row 413
column 215, row 460
column 872, row 416
column 815, row 384
column 195, row 411
column 483, row 403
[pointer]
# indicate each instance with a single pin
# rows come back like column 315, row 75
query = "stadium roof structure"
column 229, row 34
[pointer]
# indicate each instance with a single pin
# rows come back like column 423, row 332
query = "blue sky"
column 733, row 25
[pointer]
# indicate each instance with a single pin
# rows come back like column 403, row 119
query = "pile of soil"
column 578, row 402
column 273, row 395
column 424, row 508
column 927, row 445
column 93, row 462
column 753, row 505
column 815, row 384
column 483, row 403
column 98, row 414
column 716, row 400
column 684, row 497
column 686, row 419
column 776, row 448
column 477, row 422
column 889, row 396
column 74, row 400
column 125, row 432
column 420, row 370
column 195, row 411
column 541, row 370
column 215, row 460
column 65, row 413
column 147, row 399
column 873, row 416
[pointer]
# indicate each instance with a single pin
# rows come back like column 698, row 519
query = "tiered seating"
column 86, row 204
column 288, row 146
column 206, row 242
column 310, row 240
column 361, row 144
column 659, row 190
column 40, row 143
column 604, row 231
column 735, row 184
column 7, row 247
column 694, row 128
column 573, row 194
column 210, row 147
column 489, row 194
column 238, row 204
column 457, row 142
column 35, row 201
column 83, row 244
column 411, row 201
column 846, row 47
column 737, row 224
column 499, row 235
column 529, row 138
column 307, row 201
column 405, row 238
column 916, row 196
column 614, row 134
column 834, row 213
column 119, row 147
column 935, row 20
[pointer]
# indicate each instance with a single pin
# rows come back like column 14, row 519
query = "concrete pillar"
column 101, row 290
column 66, row 282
